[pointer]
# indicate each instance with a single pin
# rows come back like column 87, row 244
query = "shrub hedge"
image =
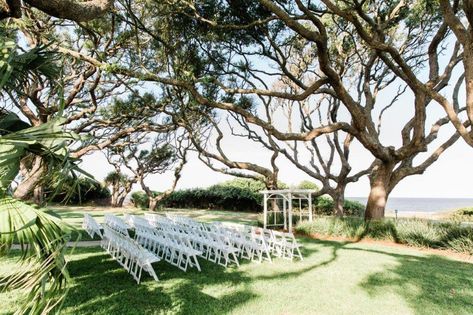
column 140, row 199
column 238, row 195
column 464, row 214
column 414, row 232
column 324, row 206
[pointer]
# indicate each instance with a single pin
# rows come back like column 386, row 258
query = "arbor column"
column 265, row 211
column 290, row 212
column 310, row 207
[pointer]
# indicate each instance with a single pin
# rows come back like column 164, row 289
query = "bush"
column 306, row 184
column 414, row 232
column 463, row 215
column 76, row 191
column 140, row 199
column 221, row 197
column 324, row 206
column 236, row 195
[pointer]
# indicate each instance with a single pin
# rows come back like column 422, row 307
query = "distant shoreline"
column 434, row 215
column 422, row 207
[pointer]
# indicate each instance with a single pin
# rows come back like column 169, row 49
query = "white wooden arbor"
column 287, row 196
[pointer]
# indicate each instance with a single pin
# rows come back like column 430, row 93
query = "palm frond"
column 42, row 239
column 17, row 68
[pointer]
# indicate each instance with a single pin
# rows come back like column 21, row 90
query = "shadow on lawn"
column 103, row 287
column 429, row 284
column 307, row 252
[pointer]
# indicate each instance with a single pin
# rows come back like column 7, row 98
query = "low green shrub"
column 241, row 195
column 463, row 215
column 414, row 232
column 216, row 197
column 140, row 199
column 236, row 195
column 325, row 205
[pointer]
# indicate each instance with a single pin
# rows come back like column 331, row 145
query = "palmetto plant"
column 41, row 237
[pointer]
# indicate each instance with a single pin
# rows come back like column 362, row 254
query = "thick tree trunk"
column 339, row 201
column 380, row 188
column 153, row 203
column 120, row 201
column 114, row 201
column 31, row 179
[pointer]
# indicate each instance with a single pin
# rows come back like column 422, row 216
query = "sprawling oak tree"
column 375, row 44
column 357, row 52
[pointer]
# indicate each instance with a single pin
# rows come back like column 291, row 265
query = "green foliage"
column 244, row 183
column 325, row 206
column 77, row 191
column 140, row 199
column 307, row 184
column 414, row 232
column 216, row 197
column 114, row 177
column 463, row 215
column 17, row 68
column 42, row 237
column 238, row 194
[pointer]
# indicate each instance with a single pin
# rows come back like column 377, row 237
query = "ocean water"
column 422, row 204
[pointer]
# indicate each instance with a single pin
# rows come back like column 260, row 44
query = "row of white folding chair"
column 218, row 242
column 129, row 254
column 132, row 220
column 253, row 243
column 251, row 246
column 285, row 245
column 116, row 224
column 280, row 244
column 175, row 248
column 212, row 246
column 91, row 226
column 155, row 219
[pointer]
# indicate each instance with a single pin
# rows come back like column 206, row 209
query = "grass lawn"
column 75, row 215
column 334, row 278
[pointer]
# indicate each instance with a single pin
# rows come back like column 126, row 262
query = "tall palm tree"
column 41, row 236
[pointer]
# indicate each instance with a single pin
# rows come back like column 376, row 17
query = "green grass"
column 74, row 216
column 334, row 278
column 463, row 215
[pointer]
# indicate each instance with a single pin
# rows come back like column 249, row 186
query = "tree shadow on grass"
column 102, row 286
column 307, row 252
column 67, row 214
column 429, row 284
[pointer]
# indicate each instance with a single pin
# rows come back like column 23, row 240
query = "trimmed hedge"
column 216, row 197
column 414, row 232
column 324, row 206
column 234, row 195
column 238, row 195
